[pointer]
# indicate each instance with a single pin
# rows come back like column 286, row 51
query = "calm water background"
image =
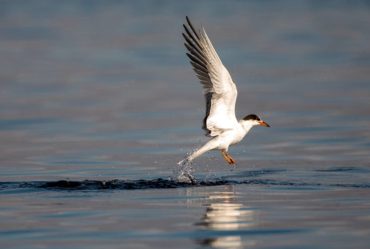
column 102, row 90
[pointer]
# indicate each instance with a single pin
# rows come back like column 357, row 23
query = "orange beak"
column 263, row 123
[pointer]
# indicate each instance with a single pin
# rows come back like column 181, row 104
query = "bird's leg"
column 228, row 157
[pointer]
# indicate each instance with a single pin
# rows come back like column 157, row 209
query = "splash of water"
column 184, row 172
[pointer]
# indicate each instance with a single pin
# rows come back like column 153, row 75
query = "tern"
column 220, row 122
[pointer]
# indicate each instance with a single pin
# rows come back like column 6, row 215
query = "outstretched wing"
column 219, row 89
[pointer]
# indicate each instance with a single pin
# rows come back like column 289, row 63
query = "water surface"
column 103, row 92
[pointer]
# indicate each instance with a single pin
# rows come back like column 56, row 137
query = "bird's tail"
column 184, row 161
column 189, row 158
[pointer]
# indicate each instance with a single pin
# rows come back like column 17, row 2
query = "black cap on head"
column 252, row 117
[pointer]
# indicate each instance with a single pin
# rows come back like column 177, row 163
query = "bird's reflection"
column 226, row 216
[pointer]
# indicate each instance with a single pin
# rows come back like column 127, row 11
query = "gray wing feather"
column 219, row 90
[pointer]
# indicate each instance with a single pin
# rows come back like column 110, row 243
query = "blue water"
column 98, row 103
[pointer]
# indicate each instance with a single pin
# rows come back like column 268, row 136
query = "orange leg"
column 228, row 157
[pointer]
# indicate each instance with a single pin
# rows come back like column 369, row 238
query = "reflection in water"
column 225, row 215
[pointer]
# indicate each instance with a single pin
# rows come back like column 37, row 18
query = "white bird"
column 220, row 93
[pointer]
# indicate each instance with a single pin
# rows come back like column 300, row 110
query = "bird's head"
column 252, row 120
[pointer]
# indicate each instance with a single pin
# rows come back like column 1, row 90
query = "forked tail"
column 210, row 145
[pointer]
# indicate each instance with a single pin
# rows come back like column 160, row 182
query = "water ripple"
column 158, row 183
